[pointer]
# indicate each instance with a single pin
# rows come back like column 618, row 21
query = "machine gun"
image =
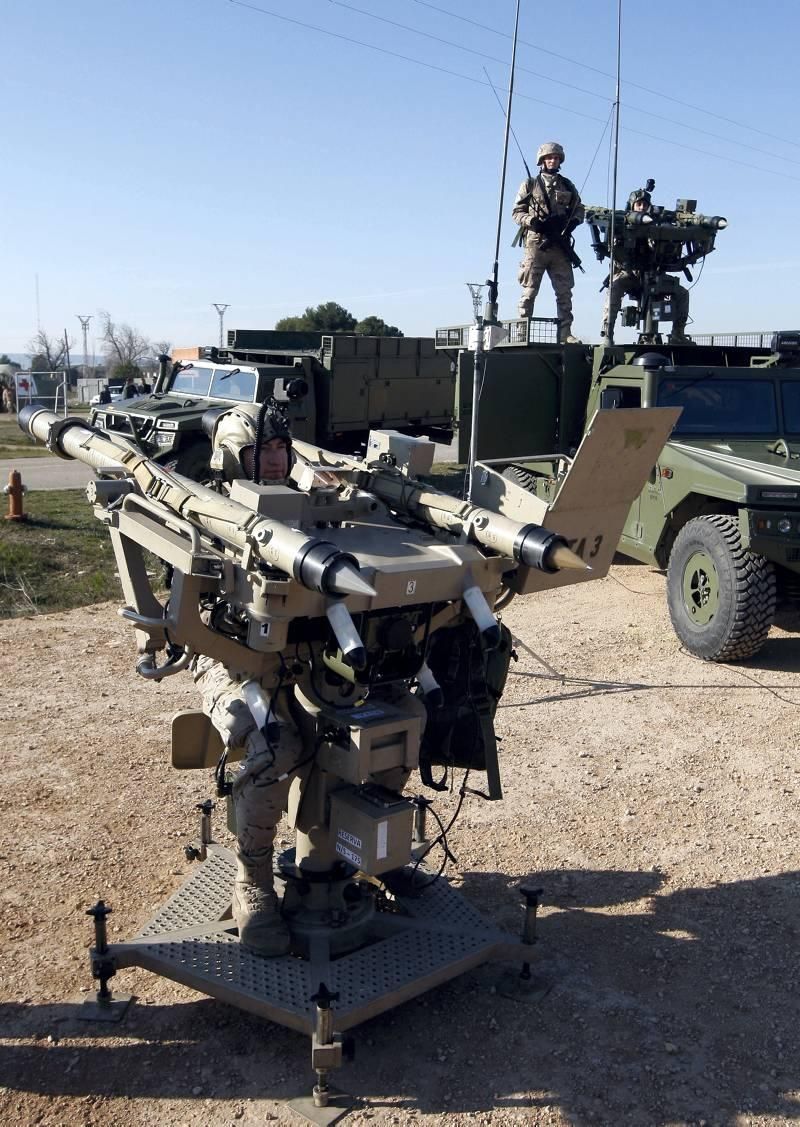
column 355, row 583
column 651, row 246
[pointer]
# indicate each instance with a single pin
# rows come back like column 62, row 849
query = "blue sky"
column 162, row 156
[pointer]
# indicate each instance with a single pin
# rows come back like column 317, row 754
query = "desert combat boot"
column 255, row 909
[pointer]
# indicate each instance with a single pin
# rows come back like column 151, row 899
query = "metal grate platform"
column 423, row 941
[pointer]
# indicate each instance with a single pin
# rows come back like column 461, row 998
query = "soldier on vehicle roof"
column 548, row 208
column 626, row 282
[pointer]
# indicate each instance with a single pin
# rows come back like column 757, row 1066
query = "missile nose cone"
column 344, row 579
column 564, row 559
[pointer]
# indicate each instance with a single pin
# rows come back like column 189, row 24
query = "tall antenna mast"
column 220, row 308
column 490, row 318
column 491, row 307
column 616, row 150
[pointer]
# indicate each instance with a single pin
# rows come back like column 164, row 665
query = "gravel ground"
column 653, row 797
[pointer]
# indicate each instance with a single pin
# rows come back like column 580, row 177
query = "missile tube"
column 315, row 563
column 528, row 544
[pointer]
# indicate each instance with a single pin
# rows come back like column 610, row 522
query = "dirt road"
column 654, row 798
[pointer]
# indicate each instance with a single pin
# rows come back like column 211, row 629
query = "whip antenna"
column 491, row 309
column 616, row 149
column 513, row 134
column 490, row 314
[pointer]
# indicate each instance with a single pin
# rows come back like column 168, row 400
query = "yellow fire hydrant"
column 16, row 491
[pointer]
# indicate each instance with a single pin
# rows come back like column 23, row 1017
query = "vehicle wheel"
column 192, row 462
column 721, row 596
column 524, row 478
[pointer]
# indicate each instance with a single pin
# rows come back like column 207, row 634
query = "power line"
column 468, row 50
column 556, row 81
column 606, row 74
column 358, row 42
column 480, row 82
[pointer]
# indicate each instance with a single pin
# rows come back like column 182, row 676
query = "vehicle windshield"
column 715, row 405
column 790, row 397
column 236, row 384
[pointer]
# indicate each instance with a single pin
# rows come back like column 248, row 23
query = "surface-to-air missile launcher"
column 374, row 588
column 650, row 247
column 720, row 512
column 352, row 384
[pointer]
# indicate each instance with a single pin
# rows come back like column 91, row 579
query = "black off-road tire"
column 193, row 462
column 721, row 596
column 524, row 478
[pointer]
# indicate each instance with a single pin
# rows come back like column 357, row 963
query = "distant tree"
column 329, row 317
column 126, row 371
column 293, row 325
column 48, row 354
column 7, row 362
column 376, row 327
column 124, row 344
column 161, row 348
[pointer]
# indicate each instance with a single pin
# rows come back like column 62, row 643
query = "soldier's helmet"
column 235, row 430
column 640, row 195
column 550, row 149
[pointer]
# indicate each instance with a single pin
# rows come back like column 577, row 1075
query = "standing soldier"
column 276, row 752
column 548, row 208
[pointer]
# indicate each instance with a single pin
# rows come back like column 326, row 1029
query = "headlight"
column 784, row 525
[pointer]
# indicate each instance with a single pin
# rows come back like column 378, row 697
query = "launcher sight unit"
column 650, row 245
column 357, row 575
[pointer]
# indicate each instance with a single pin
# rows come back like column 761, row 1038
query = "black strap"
column 540, row 181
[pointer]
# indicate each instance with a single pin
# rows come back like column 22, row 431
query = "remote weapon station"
column 366, row 585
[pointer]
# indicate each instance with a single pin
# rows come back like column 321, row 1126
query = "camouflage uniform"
column 546, row 206
column 261, row 786
column 260, row 791
column 274, row 754
column 627, row 283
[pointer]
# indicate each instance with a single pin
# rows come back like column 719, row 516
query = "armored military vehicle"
column 340, row 387
column 720, row 513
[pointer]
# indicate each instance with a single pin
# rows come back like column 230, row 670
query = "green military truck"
column 720, row 513
column 354, row 384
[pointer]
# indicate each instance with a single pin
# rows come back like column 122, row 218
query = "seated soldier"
column 629, row 282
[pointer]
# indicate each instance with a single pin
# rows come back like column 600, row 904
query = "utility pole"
column 85, row 330
column 220, row 308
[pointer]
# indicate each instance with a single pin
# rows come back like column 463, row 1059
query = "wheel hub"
column 700, row 588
